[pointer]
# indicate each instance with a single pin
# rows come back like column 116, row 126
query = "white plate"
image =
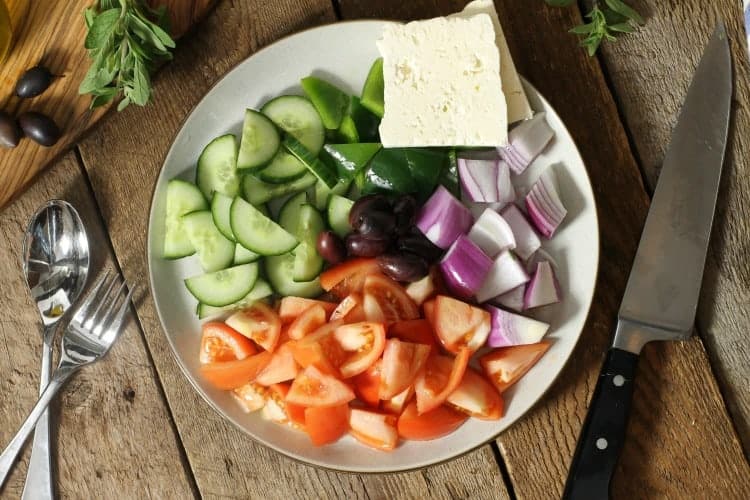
column 343, row 53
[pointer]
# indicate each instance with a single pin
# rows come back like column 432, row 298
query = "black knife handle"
column 603, row 432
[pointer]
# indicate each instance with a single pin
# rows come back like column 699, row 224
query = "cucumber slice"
column 217, row 168
column 330, row 101
column 290, row 213
column 214, row 251
column 258, row 192
column 260, row 141
column 280, row 270
column 182, row 198
column 244, row 256
column 372, row 92
column 221, row 288
column 338, row 214
column 296, row 116
column 260, row 290
column 285, row 167
column 220, row 205
column 305, row 223
column 258, row 233
column 322, row 171
column 323, row 193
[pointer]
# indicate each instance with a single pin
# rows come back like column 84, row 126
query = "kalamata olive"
column 367, row 204
column 330, row 247
column 376, row 225
column 10, row 134
column 361, row 246
column 39, row 128
column 405, row 210
column 418, row 244
column 403, row 267
column 33, row 82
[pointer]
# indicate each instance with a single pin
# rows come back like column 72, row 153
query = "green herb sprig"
column 126, row 40
column 607, row 21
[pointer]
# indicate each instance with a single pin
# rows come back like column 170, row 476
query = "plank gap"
column 503, row 470
column 336, row 9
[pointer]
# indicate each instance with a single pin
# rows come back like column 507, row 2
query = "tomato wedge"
column 223, row 343
column 402, row 361
column 363, row 344
column 377, row 430
column 431, row 425
column 429, row 311
column 367, row 385
column 348, row 276
column 350, row 309
column 418, row 331
column 279, row 411
column 440, row 377
column 259, row 323
column 459, row 324
column 251, row 396
column 476, row 397
column 317, row 349
column 307, row 322
column 314, row 388
column 385, row 301
column 292, row 307
column 398, row 402
column 232, row 374
column 281, row 368
column 326, row 425
column 504, row 366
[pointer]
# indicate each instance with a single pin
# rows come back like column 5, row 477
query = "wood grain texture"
column 680, row 440
column 650, row 96
column 111, row 413
column 53, row 33
column 226, row 463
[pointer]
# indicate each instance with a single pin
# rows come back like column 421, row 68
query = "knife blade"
column 662, row 293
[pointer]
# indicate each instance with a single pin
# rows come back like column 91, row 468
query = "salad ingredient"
column 543, row 289
column 512, row 300
column 375, row 225
column 366, row 340
column 348, row 276
column 526, row 141
column 365, row 205
column 401, row 363
column 260, row 141
column 280, row 272
column 373, row 90
column 244, row 256
column 284, row 167
column 506, row 273
column 217, row 168
column 439, row 378
column 326, row 425
column 420, row 291
column 251, row 397
column 405, row 210
column 350, row 309
column 465, row 267
column 506, row 365
column 417, row 331
column 513, row 329
column 229, row 375
column 330, row 101
column 349, row 159
column 417, row 243
column 259, row 323
column 397, row 403
column 312, row 388
column 403, row 267
column 385, row 301
column 221, row 288
column 476, row 397
column 339, row 209
column 305, row 223
column 443, row 218
column 527, row 241
column 322, row 171
column 291, row 307
column 220, row 342
column 33, row 82
column 214, row 250
column 431, row 425
column 182, row 198
column 10, row 132
column 458, row 325
column 331, row 248
column 307, row 322
column 221, row 205
column 39, row 128
column 297, row 116
column 397, row 171
column 367, row 385
column 486, row 181
column 257, row 192
column 543, row 204
column 492, row 234
column 261, row 289
column 257, row 232
column 322, row 193
column 360, row 245
column 281, row 368
column 373, row 429
column 365, row 121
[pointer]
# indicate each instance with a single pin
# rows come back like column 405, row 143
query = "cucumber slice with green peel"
column 372, row 92
column 347, row 131
column 214, row 250
column 220, row 205
column 244, row 256
column 338, row 214
column 260, row 141
column 308, row 264
column 323, row 193
column 321, row 170
column 256, row 232
column 305, row 223
column 285, row 167
column 349, row 158
column 260, row 291
column 290, row 212
column 297, row 116
column 258, row 192
column 182, row 198
column 280, row 271
column 217, row 168
column 330, row 101
column 221, row 288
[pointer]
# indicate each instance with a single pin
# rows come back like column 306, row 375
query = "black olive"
column 331, row 247
column 10, row 134
column 376, row 225
column 404, row 267
column 418, row 244
column 361, row 246
column 39, row 128
column 33, row 82
column 405, row 210
column 367, row 204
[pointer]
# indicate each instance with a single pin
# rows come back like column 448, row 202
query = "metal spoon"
column 56, row 264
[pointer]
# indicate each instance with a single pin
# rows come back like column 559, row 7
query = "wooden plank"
column 680, row 438
column 111, row 413
column 123, row 158
column 649, row 98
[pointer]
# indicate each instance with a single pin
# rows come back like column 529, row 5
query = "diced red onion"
column 477, row 209
column 540, row 255
column 443, row 218
column 543, row 288
column 512, row 300
column 492, row 234
column 506, row 273
column 485, row 181
column 543, row 204
column 526, row 141
column 527, row 241
column 513, row 329
column 464, row 267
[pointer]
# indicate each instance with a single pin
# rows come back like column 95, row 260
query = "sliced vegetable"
column 415, row 171
column 527, row 241
column 251, row 397
column 320, row 349
column 506, row 273
column 543, row 289
column 361, row 345
column 439, row 378
column 543, row 204
column 244, row 256
column 279, row 410
column 257, row 192
column 280, row 272
column 526, row 141
column 323, row 172
column 296, row 116
column 485, row 181
column 350, row 310
column 372, row 92
column 401, row 363
column 220, row 343
column 224, row 287
column 307, row 322
column 261, row 289
column 460, row 325
column 365, row 121
column 512, row 300
column 257, row 232
column 420, row 291
column 338, row 214
column 214, row 250
column 465, row 267
column 260, row 141
column 367, row 385
column 513, row 329
column 220, row 205
column 182, row 198
column 349, row 276
column 323, row 193
column 476, row 397
column 418, row 331
column 421, row 426
column 349, row 159
column 492, row 234
column 229, row 375
column 326, row 425
column 283, row 168
column 330, row 101
column 281, row 368
column 312, row 388
column 347, row 131
column 217, row 168
column 259, row 323
column 398, row 402
column 443, row 218
column 504, row 366
column 386, row 302
column 290, row 307
column 376, row 430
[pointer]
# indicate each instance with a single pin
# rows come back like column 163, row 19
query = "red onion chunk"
column 477, row 209
column 485, row 181
column 443, row 218
column 492, row 234
column 506, row 273
column 544, row 205
column 512, row 300
column 527, row 241
column 526, row 141
column 464, row 267
column 513, row 329
column 543, row 288
column 540, row 255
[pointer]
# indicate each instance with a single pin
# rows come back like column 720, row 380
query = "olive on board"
column 10, row 134
column 404, row 267
column 361, row 246
column 367, row 204
column 330, row 247
column 33, row 82
column 39, row 128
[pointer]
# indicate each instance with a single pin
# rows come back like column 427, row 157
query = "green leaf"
column 559, row 3
column 162, row 35
column 142, row 89
column 109, row 4
column 123, row 104
column 103, row 97
column 622, row 8
column 88, row 16
column 622, row 28
column 102, row 28
column 144, row 32
column 582, row 29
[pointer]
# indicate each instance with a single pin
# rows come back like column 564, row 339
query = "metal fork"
column 92, row 331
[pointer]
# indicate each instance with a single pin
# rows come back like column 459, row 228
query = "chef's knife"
column 662, row 292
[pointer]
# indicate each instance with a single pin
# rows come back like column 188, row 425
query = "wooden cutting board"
column 53, row 31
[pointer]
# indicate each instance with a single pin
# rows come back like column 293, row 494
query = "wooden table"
column 132, row 427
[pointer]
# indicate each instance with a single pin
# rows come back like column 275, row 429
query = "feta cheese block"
column 442, row 84
column 518, row 104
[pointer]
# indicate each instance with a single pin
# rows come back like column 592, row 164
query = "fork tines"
column 103, row 309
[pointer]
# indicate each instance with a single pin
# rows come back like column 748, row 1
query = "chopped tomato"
column 398, row 402
column 232, row 374
column 223, row 343
column 307, row 322
column 295, row 414
column 281, row 368
column 348, row 276
column 418, row 331
column 251, row 396
column 326, row 425
column 476, row 397
column 259, row 323
column 362, row 343
column 350, row 309
column 317, row 350
column 373, row 429
column 385, row 301
column 402, row 361
column 367, row 385
column 314, row 388
column 459, row 324
column 429, row 311
column 431, row 425
column 440, row 377
column 421, row 290
column 292, row 307
column 505, row 365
